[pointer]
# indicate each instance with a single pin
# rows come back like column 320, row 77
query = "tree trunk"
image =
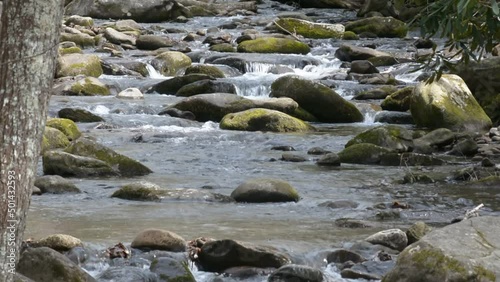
column 29, row 35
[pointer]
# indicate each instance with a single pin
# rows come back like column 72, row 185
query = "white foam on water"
column 206, row 127
column 153, row 73
column 100, row 110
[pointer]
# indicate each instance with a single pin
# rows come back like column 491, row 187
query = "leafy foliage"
column 471, row 29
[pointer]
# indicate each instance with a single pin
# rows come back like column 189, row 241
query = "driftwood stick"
column 287, row 31
column 473, row 212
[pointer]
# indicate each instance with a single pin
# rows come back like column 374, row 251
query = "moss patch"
column 310, row 29
column 66, row 126
column 381, row 26
column 273, row 45
column 89, row 87
column 263, row 120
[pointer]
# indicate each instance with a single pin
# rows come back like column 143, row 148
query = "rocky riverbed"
column 219, row 143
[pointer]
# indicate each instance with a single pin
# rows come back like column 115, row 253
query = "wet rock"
column 399, row 100
column 463, row 251
column 410, row 159
column 76, row 64
column 169, row 269
column 81, row 86
column 298, row 273
column 363, row 153
column 343, row 255
column 310, row 29
column 377, row 93
column 247, row 272
column 77, row 255
column 374, row 78
column 66, row 126
column 58, row 242
column 417, row 231
column 178, row 113
column 347, row 52
column 206, row 86
column 82, row 40
column 171, row 86
column 349, row 273
column 79, row 20
column 117, row 37
column 285, row 148
column 294, row 158
column 194, row 195
column 153, row 42
column 317, row 151
column 223, row 47
column 139, row 191
column 370, row 270
column 363, row 67
column 380, row 26
column 265, row 190
column 216, row 256
column 124, row 68
column 260, row 119
column 435, row 140
column 45, row 264
column 448, row 103
column 65, row 164
column 330, row 159
column 392, row 137
column 36, row 191
column 78, row 115
column 170, row 63
column 464, row 147
column 53, row 139
column 158, row 239
column 392, row 238
column 319, row 100
column 209, row 70
column 273, row 45
column 352, row 223
column 127, row 274
column 130, row 93
column 394, row 117
column 340, row 204
column 55, row 184
column 125, row 165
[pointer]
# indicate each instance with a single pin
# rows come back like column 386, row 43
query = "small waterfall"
column 153, row 73
column 253, row 85
column 257, row 67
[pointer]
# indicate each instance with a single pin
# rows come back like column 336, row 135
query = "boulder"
column 216, row 256
column 79, row 20
column 330, row 159
column 265, row 190
column 76, row 64
column 448, row 103
column 259, row 119
column 53, row 138
column 158, row 239
column 310, row 29
column 58, row 242
column 111, row 66
column 343, row 255
column 125, row 165
column 83, row 40
column 78, row 115
column 393, row 238
column 127, row 274
column 171, row 86
column 66, row 126
column 294, row 272
column 223, row 48
column 138, row 191
column 434, row 141
column 410, row 159
column 348, row 52
column 153, row 42
column 80, row 86
column 273, row 45
column 69, row 50
column 118, row 37
column 399, row 100
column 171, row 63
column 362, row 67
column 193, row 195
column 393, row 117
column 45, row 264
column 464, row 251
column 417, row 231
column 363, row 153
column 294, row 158
column 376, row 93
column 317, row 99
column 55, row 184
column 206, row 86
column 209, row 70
column 392, row 137
column 131, row 93
column 380, row 26
column 64, row 164
column 170, row 269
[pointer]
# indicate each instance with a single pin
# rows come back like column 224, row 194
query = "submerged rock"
column 273, row 45
column 265, row 190
column 158, row 239
column 298, row 273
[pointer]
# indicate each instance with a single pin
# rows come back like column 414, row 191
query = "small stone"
column 392, row 238
column 317, row 151
column 130, row 93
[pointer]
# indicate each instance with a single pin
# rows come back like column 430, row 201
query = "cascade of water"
column 153, row 73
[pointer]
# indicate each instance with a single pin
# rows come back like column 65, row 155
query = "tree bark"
column 29, row 35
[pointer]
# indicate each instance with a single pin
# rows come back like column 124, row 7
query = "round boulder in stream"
column 79, row 115
column 317, row 99
column 310, row 29
column 158, row 239
column 259, row 119
column 265, row 190
column 389, row 136
column 273, row 45
column 55, row 184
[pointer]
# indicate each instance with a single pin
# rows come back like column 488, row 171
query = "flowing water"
column 188, row 154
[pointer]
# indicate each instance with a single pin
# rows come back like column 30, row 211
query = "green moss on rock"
column 78, row 64
column 273, row 45
column 89, row 86
column 310, row 29
column 389, row 136
column 381, row 26
column 138, row 192
column 70, row 50
column 223, row 47
column 53, row 138
column 66, row 126
column 259, row 119
column 81, row 39
column 211, row 71
column 364, row 153
column 170, row 63
column 349, row 35
column 399, row 100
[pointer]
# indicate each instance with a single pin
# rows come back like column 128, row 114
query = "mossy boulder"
column 348, row 52
column 417, row 231
column 65, row 164
column 138, row 191
column 46, row 264
column 55, row 184
column 223, row 47
column 79, row 20
column 388, row 136
column 464, row 251
column 265, row 190
column 209, row 70
column 88, row 86
column 317, row 99
column 363, row 153
column 381, row 26
column 53, row 138
column 171, row 63
column 273, row 45
column 171, row 86
column 76, row 64
column 399, row 100
column 82, row 40
column 206, row 86
column 66, row 126
column 159, row 239
column 309, row 29
column 78, row 115
column 125, row 165
column 58, row 242
column 70, row 50
column 153, row 42
column 376, row 93
column 448, row 103
column 259, row 119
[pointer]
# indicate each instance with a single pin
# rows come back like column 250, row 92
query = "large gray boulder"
column 465, row 251
column 388, row 136
column 448, row 103
column 76, row 64
column 265, row 190
column 65, row 164
column 45, row 264
column 55, row 184
column 348, row 52
column 159, row 239
column 316, row 98
column 311, row 29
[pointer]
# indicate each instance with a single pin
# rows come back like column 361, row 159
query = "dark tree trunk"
column 29, row 34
